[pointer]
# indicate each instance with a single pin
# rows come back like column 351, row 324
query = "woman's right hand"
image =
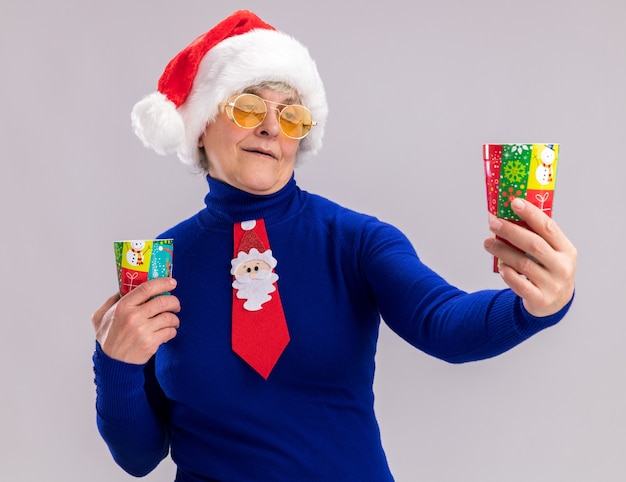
column 131, row 329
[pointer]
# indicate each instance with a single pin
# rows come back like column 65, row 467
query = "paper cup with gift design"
column 140, row 260
column 527, row 171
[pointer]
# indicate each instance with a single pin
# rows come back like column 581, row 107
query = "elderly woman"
column 259, row 366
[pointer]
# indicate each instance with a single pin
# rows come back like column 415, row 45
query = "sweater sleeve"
column 435, row 316
column 130, row 413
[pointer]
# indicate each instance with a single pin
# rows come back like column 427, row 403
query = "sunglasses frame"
column 279, row 113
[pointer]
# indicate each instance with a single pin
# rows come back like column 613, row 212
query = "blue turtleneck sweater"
column 313, row 418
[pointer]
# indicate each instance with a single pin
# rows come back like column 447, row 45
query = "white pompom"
column 158, row 124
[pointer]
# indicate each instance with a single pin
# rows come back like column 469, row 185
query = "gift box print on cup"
column 527, row 171
column 141, row 260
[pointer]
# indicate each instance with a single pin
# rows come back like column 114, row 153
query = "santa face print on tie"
column 254, row 277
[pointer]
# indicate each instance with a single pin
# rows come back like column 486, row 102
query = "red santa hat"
column 239, row 52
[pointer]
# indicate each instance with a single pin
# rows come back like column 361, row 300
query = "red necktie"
column 259, row 330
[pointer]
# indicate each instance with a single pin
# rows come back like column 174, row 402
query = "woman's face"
column 259, row 160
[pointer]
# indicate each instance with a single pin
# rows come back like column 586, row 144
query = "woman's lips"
column 261, row 151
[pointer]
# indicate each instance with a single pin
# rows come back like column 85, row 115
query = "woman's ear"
column 201, row 141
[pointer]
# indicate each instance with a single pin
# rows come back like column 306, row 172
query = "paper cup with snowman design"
column 140, row 260
column 519, row 170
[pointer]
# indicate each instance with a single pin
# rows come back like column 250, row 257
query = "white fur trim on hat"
column 158, row 124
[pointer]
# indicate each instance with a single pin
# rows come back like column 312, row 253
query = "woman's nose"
column 270, row 126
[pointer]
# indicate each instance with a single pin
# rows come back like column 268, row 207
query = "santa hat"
column 239, row 52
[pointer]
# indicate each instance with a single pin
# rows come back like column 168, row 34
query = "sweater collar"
column 232, row 205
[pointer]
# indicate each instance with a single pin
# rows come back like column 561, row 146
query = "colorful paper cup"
column 527, row 171
column 141, row 260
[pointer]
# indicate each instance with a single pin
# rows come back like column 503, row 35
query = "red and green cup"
column 527, row 171
column 141, row 260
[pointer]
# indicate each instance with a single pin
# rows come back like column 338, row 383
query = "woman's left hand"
column 542, row 268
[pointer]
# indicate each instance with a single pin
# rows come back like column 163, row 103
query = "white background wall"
column 74, row 178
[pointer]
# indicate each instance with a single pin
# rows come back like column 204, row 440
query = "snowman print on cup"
column 136, row 252
column 545, row 171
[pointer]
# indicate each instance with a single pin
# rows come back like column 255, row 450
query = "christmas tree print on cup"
column 141, row 260
column 527, row 171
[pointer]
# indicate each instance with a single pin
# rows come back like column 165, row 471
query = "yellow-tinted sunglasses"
column 249, row 111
